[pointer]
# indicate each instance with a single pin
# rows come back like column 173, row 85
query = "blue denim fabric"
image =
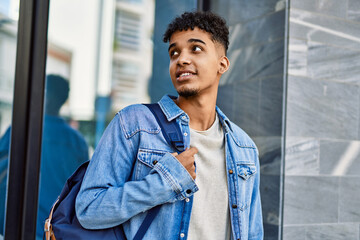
column 132, row 171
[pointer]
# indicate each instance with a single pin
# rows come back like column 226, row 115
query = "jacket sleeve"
column 107, row 198
column 256, row 231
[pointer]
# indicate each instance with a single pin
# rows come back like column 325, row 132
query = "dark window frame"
column 27, row 118
column 204, row 5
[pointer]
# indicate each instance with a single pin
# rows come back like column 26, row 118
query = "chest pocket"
column 246, row 171
column 246, row 175
column 146, row 160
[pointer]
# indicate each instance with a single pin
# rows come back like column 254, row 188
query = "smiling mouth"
column 185, row 75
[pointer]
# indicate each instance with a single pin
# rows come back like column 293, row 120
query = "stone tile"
column 358, row 129
column 270, row 196
column 349, row 199
column 237, row 71
column 354, row 10
column 247, row 97
column 332, row 232
column 335, row 63
column 221, row 8
column 271, row 232
column 271, row 106
column 309, row 200
column 226, row 100
column 327, row 7
column 258, row 106
column 293, row 233
column 322, row 109
column 340, row 158
column 324, row 28
column 308, row 33
column 302, row 156
column 260, row 30
column 243, row 10
column 359, row 122
column 255, row 62
column 267, row 60
column 269, row 154
column 297, row 58
column 267, row 144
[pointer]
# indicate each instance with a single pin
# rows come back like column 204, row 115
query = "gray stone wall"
column 251, row 92
column 322, row 160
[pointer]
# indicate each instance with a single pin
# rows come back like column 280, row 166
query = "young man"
column 133, row 168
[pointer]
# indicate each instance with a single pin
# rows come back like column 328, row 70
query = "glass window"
column 99, row 61
column 8, row 33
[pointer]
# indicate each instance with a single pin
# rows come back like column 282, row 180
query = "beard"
column 188, row 93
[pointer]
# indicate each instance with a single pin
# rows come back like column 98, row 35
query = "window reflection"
column 63, row 148
column 133, row 52
column 9, row 11
column 104, row 51
column 4, row 154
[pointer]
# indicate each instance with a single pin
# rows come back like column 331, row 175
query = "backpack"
column 63, row 223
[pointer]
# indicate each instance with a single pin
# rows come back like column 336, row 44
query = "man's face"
column 196, row 62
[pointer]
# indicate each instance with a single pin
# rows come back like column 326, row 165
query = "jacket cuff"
column 177, row 176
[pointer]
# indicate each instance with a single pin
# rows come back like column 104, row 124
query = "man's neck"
column 201, row 110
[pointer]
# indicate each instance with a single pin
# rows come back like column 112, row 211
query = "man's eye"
column 172, row 53
column 197, row 49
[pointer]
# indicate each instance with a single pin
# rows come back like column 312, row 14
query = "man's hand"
column 187, row 159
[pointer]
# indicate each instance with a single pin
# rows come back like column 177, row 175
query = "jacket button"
column 182, row 235
column 188, row 191
column 234, row 206
column 155, row 162
column 231, row 171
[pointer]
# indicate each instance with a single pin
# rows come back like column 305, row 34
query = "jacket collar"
column 225, row 122
column 169, row 107
column 172, row 111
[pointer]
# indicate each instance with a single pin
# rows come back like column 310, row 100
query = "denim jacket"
column 132, row 170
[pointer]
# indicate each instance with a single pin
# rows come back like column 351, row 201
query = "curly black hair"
column 207, row 21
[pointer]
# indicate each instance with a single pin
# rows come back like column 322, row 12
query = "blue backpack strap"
column 173, row 136
column 170, row 129
column 152, row 213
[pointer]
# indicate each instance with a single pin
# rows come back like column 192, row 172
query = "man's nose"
column 184, row 59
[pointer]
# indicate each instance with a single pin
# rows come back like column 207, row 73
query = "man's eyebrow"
column 191, row 40
column 196, row 40
column 171, row 45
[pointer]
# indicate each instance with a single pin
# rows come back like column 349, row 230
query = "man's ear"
column 224, row 64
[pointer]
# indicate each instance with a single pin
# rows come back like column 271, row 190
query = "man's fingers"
column 174, row 154
column 189, row 152
column 186, row 159
column 192, row 151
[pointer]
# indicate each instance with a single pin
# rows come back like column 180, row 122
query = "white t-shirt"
column 210, row 216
